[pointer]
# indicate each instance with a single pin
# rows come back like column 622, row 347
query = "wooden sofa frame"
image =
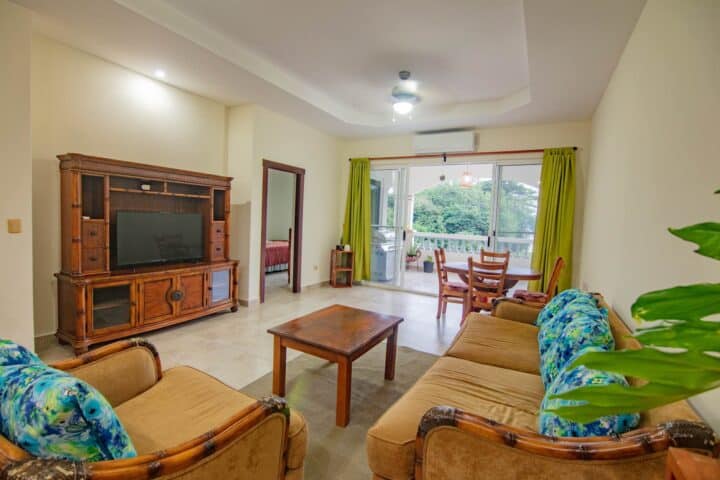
column 681, row 434
column 16, row 463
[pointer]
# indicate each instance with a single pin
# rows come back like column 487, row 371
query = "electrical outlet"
column 14, row 225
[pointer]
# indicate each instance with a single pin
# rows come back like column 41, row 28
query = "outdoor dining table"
column 512, row 277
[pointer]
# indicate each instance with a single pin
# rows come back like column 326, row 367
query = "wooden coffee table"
column 338, row 334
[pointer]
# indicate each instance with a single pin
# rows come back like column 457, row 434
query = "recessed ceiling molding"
column 165, row 15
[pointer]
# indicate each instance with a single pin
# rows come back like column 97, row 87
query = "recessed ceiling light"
column 159, row 73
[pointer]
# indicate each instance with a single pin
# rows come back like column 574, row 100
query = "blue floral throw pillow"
column 552, row 328
column 558, row 302
column 51, row 414
column 553, row 425
column 587, row 327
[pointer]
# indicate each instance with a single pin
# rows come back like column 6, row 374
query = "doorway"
column 281, row 228
column 461, row 207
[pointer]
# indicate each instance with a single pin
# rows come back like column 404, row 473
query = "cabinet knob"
column 93, row 259
column 176, row 295
column 93, row 233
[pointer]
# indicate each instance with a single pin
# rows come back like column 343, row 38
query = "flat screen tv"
column 146, row 238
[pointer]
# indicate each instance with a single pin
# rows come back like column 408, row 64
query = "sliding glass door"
column 387, row 188
column 517, row 200
column 461, row 208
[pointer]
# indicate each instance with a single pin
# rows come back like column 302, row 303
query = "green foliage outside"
column 449, row 208
column 690, row 368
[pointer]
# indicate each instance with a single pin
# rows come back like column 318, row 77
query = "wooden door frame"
column 298, row 221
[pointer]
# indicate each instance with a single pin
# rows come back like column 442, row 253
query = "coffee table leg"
column 390, row 355
column 344, row 384
column 279, row 368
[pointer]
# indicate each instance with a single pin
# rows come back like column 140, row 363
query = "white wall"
column 81, row 103
column 281, row 204
column 16, row 292
column 654, row 162
column 256, row 133
column 491, row 139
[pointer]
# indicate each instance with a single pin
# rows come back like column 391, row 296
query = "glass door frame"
column 402, row 222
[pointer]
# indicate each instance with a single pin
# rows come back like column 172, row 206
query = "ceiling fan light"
column 402, row 108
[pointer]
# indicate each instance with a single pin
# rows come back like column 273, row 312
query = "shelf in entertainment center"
column 111, row 304
column 152, row 192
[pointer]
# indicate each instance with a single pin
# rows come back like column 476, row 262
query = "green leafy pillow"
column 51, row 414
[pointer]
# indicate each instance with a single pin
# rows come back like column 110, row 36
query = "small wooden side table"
column 686, row 465
column 342, row 264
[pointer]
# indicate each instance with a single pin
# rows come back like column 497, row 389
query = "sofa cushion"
column 499, row 342
column 507, row 396
column 51, row 414
column 553, row 425
column 187, row 403
column 558, row 303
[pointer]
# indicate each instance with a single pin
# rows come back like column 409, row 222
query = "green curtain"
column 356, row 229
column 556, row 209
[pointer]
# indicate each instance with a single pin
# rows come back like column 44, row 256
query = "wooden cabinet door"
column 221, row 284
column 111, row 307
column 192, row 287
column 156, row 303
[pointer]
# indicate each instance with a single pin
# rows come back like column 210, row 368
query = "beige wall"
column 654, row 161
column 16, row 294
column 491, row 139
column 254, row 134
column 81, row 103
column 281, row 204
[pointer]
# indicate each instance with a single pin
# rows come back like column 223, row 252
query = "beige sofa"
column 474, row 415
column 184, row 424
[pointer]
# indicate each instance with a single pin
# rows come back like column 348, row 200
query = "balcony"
column 458, row 247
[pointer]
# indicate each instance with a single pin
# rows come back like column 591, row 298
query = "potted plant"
column 680, row 355
column 428, row 264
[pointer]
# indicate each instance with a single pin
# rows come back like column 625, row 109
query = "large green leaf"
column 689, row 302
column 692, row 370
column 695, row 336
column 615, row 399
column 705, row 235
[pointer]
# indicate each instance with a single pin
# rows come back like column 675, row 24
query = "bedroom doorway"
column 281, row 231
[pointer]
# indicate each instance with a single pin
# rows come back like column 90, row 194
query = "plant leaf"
column 688, row 302
column 602, row 400
column 705, row 235
column 690, row 370
column 695, row 336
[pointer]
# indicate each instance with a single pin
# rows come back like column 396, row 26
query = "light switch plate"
column 14, row 225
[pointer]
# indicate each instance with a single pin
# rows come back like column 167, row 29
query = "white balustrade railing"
column 471, row 244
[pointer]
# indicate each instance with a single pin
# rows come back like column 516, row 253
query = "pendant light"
column 466, row 180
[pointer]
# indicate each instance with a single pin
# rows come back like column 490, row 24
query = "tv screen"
column 156, row 237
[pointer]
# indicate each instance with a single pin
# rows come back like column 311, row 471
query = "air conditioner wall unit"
column 444, row 142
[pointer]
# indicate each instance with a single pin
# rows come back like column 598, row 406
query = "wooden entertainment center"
column 99, row 301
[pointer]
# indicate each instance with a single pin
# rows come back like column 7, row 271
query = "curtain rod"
column 463, row 154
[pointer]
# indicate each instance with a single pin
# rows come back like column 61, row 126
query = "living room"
column 207, row 101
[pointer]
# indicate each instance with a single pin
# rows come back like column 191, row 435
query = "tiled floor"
column 236, row 348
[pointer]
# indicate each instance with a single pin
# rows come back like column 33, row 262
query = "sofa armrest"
column 120, row 371
column 515, row 309
column 251, row 444
column 454, row 444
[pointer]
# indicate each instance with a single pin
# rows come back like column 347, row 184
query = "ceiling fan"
column 404, row 94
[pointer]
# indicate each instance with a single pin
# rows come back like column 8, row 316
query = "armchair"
column 184, row 424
